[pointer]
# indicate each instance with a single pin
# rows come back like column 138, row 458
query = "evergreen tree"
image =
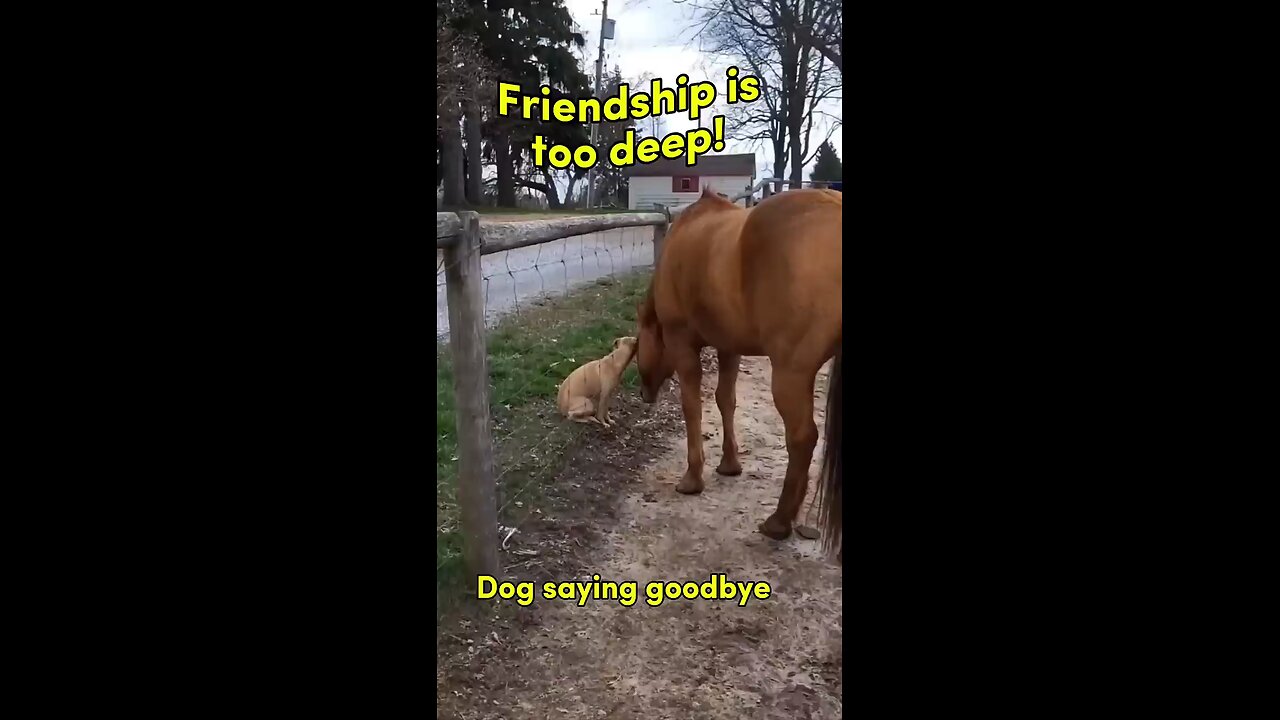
column 828, row 165
column 527, row 42
column 531, row 43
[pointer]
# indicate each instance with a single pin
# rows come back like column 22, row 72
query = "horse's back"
column 792, row 273
column 809, row 219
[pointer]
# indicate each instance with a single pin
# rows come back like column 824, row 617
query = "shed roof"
column 743, row 164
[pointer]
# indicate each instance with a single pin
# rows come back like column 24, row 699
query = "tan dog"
column 584, row 395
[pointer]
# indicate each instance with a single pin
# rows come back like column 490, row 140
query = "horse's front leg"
column 726, row 390
column 689, row 370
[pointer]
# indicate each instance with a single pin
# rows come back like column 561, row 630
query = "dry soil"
column 616, row 513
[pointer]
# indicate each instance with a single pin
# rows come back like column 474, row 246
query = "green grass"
column 530, row 353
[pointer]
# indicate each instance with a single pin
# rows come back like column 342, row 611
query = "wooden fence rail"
column 463, row 239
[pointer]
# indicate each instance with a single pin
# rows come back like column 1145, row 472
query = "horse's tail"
column 829, row 477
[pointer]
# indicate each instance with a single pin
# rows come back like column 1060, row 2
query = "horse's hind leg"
column 726, row 391
column 793, row 396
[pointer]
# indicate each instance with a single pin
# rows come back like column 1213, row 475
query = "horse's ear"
column 707, row 192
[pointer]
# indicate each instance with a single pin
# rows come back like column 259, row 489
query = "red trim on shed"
column 684, row 183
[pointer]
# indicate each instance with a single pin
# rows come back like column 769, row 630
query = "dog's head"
column 627, row 344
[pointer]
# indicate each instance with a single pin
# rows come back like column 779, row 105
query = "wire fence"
column 546, row 307
column 555, row 268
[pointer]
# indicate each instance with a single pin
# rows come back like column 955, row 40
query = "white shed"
column 672, row 183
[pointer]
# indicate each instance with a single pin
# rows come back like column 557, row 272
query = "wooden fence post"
column 660, row 236
column 477, row 496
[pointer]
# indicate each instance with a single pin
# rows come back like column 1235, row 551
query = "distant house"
column 672, row 183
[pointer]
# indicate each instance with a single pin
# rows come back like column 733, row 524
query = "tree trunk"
column 439, row 166
column 795, row 121
column 568, row 196
column 553, row 195
column 475, row 166
column 547, row 188
column 789, row 60
column 798, row 95
column 506, row 172
column 779, row 158
column 451, row 159
column 832, row 54
column 797, row 155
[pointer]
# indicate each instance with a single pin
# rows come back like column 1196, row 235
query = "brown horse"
column 764, row 281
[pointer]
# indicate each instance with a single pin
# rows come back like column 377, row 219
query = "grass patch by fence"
column 530, row 353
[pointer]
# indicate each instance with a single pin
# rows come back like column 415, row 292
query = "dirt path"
column 776, row 657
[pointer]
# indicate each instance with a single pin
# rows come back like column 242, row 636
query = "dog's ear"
column 617, row 343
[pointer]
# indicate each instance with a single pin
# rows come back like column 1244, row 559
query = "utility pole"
column 604, row 18
column 704, row 74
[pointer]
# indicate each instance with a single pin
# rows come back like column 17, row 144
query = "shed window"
column 684, row 183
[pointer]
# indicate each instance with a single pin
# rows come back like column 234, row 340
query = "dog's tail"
column 829, row 477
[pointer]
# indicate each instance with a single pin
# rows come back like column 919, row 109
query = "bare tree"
column 824, row 30
column 764, row 37
column 654, row 125
column 765, row 120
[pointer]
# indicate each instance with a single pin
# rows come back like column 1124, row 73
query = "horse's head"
column 651, row 353
column 652, row 359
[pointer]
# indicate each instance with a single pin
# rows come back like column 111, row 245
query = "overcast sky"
column 656, row 36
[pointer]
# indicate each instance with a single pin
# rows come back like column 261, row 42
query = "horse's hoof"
column 730, row 469
column 808, row 532
column 775, row 528
column 689, row 485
